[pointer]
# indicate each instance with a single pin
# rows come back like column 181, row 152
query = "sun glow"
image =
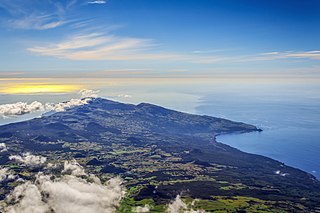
column 39, row 88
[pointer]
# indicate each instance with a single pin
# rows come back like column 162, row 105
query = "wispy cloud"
column 108, row 47
column 268, row 56
column 97, row 2
column 11, row 74
column 97, row 46
column 315, row 55
column 37, row 22
column 36, row 15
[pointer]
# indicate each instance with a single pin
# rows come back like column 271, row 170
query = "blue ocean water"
column 288, row 115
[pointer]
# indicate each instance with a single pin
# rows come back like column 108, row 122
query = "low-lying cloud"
column 88, row 93
column 21, row 108
column 140, row 209
column 6, row 174
column 59, row 107
column 65, row 194
column 73, row 168
column 71, row 190
column 29, row 159
column 178, row 206
column 3, row 147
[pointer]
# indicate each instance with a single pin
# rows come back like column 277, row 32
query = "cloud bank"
column 66, row 194
column 73, row 190
column 21, row 108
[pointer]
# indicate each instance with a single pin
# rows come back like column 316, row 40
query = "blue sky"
column 46, row 38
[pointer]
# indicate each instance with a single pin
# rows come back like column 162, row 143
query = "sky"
column 190, row 55
column 254, row 61
column 159, row 38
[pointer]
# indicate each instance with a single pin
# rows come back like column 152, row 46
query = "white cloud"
column 51, row 166
column 124, row 96
column 88, row 93
column 269, row 56
column 73, row 168
column 36, row 15
column 6, row 174
column 21, row 108
column 65, row 194
column 140, row 209
column 315, row 55
column 97, row 2
column 178, row 206
column 99, row 46
column 96, row 46
column 59, row 107
column 29, row 159
column 3, row 147
column 74, row 191
column 40, row 22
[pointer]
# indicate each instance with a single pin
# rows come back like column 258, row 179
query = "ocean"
column 289, row 115
column 291, row 132
column 288, row 110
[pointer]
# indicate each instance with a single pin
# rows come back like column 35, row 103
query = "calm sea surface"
column 288, row 114
column 288, row 111
column 291, row 132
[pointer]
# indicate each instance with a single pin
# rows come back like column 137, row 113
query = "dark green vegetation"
column 161, row 153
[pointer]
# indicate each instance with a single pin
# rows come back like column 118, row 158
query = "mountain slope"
column 161, row 153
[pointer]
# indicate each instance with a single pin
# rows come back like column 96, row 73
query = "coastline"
column 231, row 140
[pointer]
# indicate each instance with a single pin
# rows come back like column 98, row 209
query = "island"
column 158, row 153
